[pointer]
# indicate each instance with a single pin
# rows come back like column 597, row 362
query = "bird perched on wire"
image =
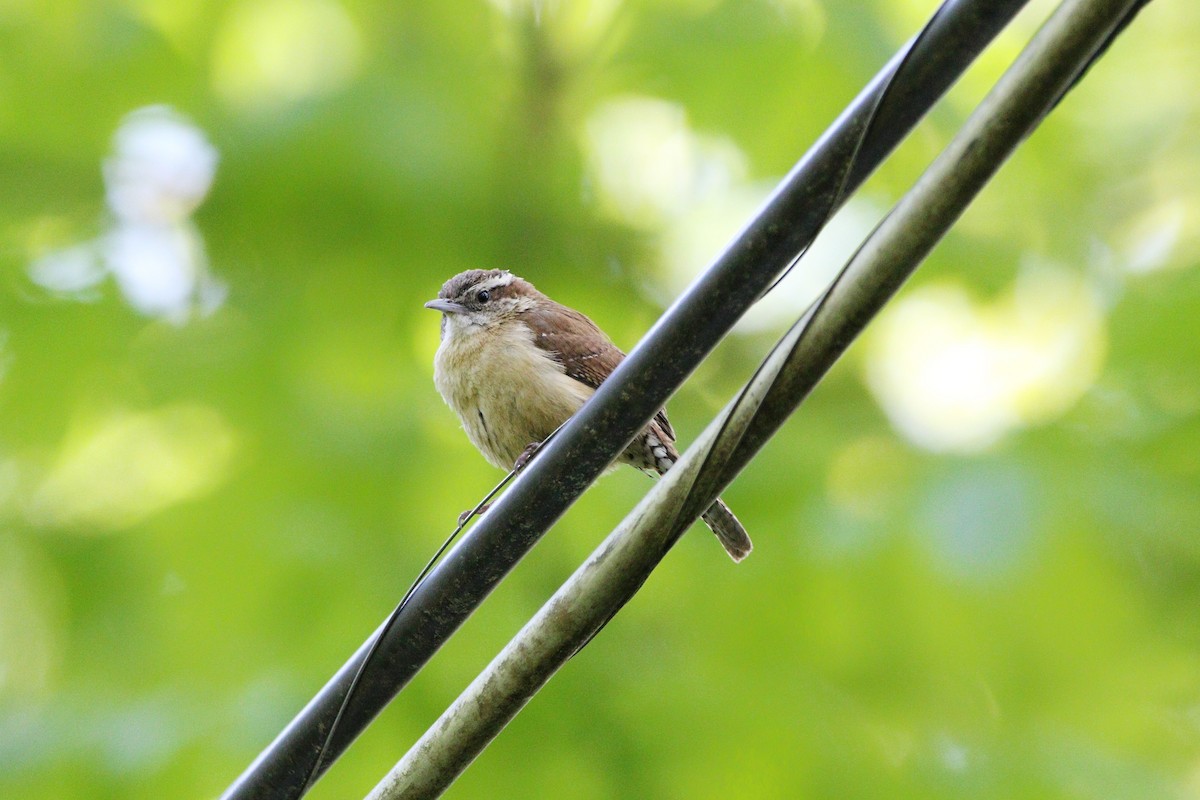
column 514, row 365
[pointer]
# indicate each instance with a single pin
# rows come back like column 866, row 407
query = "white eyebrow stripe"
column 497, row 282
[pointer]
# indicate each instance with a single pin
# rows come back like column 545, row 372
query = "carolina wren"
column 514, row 365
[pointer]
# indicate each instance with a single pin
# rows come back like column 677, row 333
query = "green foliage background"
column 201, row 517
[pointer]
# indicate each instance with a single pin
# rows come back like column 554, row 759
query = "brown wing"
column 585, row 352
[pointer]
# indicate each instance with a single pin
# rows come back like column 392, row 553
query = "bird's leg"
column 528, row 453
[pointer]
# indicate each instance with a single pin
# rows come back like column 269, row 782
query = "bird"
column 514, row 365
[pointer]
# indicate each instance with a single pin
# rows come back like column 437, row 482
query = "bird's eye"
column 483, row 296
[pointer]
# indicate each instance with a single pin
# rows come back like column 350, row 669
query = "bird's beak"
column 446, row 307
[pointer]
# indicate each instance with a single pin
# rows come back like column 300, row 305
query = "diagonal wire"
column 623, row 404
column 720, row 465
column 377, row 638
column 728, row 442
column 1048, row 67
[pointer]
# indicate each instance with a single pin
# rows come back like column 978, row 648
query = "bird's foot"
column 528, row 453
column 470, row 512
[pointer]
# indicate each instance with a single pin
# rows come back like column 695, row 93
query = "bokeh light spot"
column 130, row 466
column 30, row 620
column 868, row 477
column 272, row 53
column 979, row 520
column 649, row 166
column 1153, row 237
column 956, row 376
column 161, row 170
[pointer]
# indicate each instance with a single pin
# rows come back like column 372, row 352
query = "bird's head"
column 479, row 299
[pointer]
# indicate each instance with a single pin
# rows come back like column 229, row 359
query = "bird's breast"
column 507, row 391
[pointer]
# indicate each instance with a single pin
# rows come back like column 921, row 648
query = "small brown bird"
column 514, row 365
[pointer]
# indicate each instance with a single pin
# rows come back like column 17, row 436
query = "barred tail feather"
column 729, row 531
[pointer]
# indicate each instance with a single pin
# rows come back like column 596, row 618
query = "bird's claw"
column 529, row 452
